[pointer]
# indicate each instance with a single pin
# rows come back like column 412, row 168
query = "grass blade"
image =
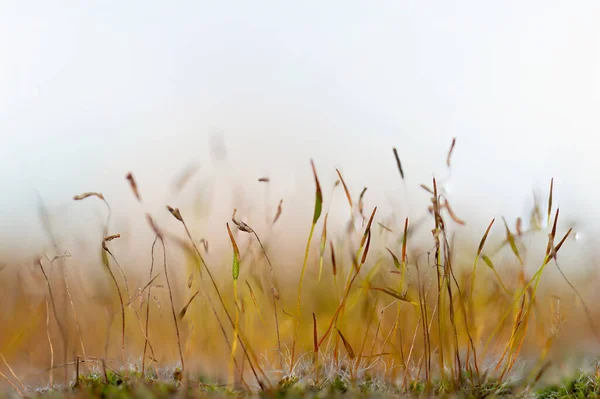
column 235, row 269
column 395, row 259
column 550, row 199
column 361, row 204
column 316, row 215
column 450, row 151
column 395, row 294
column 278, row 213
column 236, row 255
column 255, row 302
column 398, row 163
column 453, row 216
column 345, row 188
column 318, row 195
column 485, row 236
column 552, row 235
column 315, row 339
column 347, row 345
column 185, row 308
column 511, row 241
column 323, row 246
column 133, row 185
column 333, row 262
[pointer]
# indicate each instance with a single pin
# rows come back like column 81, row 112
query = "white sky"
column 91, row 90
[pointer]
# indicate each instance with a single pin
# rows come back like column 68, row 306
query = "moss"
column 581, row 386
column 339, row 385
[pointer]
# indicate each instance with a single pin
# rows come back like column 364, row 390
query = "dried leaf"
column 452, row 214
column 562, row 241
column 552, row 234
column 345, row 188
column 360, row 202
column 424, row 187
column 484, row 238
column 318, row 195
column 404, row 242
column 395, row 259
column 385, row 227
column 333, row 263
column 557, row 248
column 395, row 294
column 368, row 228
column 347, row 345
column 366, row 251
column 278, row 213
column 450, row 152
column 398, row 163
column 511, row 241
column 133, row 186
column 185, row 308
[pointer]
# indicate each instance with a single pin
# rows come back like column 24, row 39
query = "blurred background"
column 238, row 91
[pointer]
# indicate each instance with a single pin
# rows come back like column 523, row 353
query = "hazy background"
column 92, row 90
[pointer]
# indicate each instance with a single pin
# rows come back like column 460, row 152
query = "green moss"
column 339, row 385
column 582, row 386
column 126, row 385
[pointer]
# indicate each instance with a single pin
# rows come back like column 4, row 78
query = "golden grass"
column 422, row 316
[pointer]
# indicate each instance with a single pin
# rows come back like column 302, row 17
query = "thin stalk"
column 17, row 390
column 172, row 304
column 316, row 216
column 229, row 345
column 235, row 332
column 130, row 300
column 74, row 313
column 11, row 371
column 274, row 295
column 114, row 279
column 51, row 372
column 299, row 297
column 148, row 309
column 176, row 213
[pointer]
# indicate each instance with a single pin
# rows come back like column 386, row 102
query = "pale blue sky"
column 91, row 90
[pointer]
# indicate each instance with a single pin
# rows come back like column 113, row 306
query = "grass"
column 373, row 311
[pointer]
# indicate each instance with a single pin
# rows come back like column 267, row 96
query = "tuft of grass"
column 581, row 386
column 316, row 216
column 405, row 318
